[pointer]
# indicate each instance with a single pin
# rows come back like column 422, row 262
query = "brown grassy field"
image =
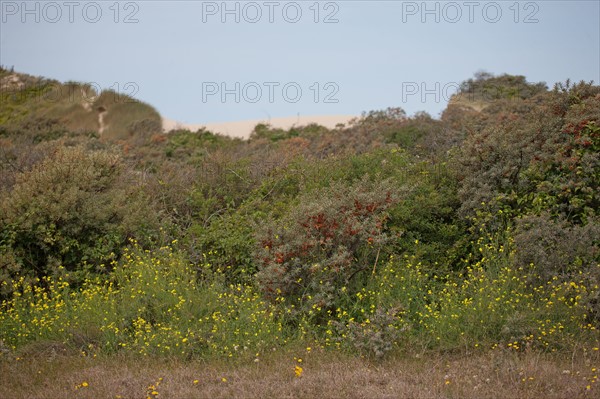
column 494, row 374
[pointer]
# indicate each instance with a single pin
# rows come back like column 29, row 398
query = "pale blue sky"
column 378, row 54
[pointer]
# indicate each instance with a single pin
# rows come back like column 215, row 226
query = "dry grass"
column 496, row 374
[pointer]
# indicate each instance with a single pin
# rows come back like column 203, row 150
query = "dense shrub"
column 74, row 209
column 194, row 147
column 225, row 243
column 531, row 158
column 488, row 87
column 555, row 248
column 427, row 215
column 169, row 188
column 324, row 245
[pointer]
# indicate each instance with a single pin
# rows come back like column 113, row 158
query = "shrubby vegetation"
column 73, row 210
column 474, row 232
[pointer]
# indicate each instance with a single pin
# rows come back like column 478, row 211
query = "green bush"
column 428, row 215
column 74, row 209
column 225, row 243
column 554, row 247
column 488, row 87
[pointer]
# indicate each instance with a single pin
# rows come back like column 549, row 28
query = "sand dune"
column 242, row 129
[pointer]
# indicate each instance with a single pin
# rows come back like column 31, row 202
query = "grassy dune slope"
column 77, row 106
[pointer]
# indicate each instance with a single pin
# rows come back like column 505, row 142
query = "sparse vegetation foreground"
column 397, row 256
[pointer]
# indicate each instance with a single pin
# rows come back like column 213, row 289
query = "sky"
column 217, row 61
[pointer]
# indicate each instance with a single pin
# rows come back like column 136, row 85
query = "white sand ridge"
column 242, row 129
